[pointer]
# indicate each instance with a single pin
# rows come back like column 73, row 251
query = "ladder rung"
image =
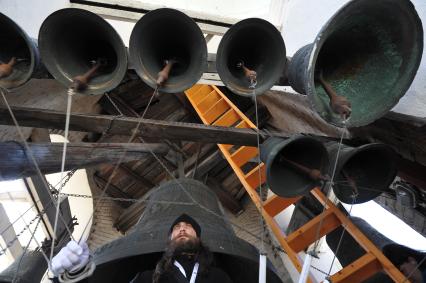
column 209, row 100
column 242, row 155
column 193, row 89
column 252, row 177
column 307, row 234
column 275, row 204
column 227, row 147
column 242, row 124
column 227, row 119
column 200, row 94
column 216, row 110
column 359, row 270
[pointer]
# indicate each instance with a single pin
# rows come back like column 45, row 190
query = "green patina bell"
column 369, row 52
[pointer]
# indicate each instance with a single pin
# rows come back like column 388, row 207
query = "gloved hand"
column 70, row 258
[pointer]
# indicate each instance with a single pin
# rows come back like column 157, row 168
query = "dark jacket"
column 214, row 275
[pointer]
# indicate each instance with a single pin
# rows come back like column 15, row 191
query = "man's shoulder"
column 218, row 275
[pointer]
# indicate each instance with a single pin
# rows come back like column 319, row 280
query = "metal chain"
column 38, row 216
column 66, row 179
column 10, row 243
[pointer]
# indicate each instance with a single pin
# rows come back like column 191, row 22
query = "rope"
column 134, row 133
column 64, row 154
column 29, row 151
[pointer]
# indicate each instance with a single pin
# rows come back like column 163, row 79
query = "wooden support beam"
column 275, row 204
column 308, row 233
column 16, row 161
column 144, row 181
column 359, row 270
column 40, row 118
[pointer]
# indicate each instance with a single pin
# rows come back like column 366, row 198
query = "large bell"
column 290, row 164
column 163, row 35
column 259, row 46
column 362, row 173
column 120, row 260
column 15, row 43
column 73, row 40
column 369, row 52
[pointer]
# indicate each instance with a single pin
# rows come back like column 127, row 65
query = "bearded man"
column 185, row 259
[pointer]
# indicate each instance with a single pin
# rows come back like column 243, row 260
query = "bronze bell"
column 369, row 53
column 72, row 41
column 163, row 37
column 294, row 166
column 19, row 56
column 362, row 173
column 120, row 260
column 251, row 45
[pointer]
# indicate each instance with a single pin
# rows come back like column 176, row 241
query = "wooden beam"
column 41, row 118
column 16, row 161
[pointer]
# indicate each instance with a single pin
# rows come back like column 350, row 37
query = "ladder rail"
column 226, row 114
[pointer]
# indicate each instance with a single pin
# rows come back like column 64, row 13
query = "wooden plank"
column 40, row 118
column 359, row 270
column 252, row 177
column 227, row 119
column 275, row 204
column 362, row 240
column 242, row 155
column 16, row 161
column 308, row 233
column 208, row 101
column 216, row 111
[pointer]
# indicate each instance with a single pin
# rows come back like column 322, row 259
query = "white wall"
column 303, row 20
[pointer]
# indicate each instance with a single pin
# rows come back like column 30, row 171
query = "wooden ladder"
column 214, row 108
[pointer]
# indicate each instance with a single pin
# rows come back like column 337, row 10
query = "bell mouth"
column 259, row 45
column 283, row 178
column 73, row 40
column 372, row 168
column 369, row 52
column 168, row 34
column 15, row 43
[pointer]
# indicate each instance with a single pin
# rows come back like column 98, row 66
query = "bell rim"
column 66, row 80
column 34, row 54
column 142, row 71
column 356, row 150
column 221, row 66
column 319, row 42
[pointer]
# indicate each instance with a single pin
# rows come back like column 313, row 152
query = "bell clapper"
column 7, row 68
column 80, row 82
column 338, row 103
column 351, row 183
column 163, row 75
column 251, row 75
column 314, row 174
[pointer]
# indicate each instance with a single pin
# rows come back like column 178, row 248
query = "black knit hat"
column 187, row 219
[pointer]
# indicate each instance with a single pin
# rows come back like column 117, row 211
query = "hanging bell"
column 120, row 260
column 75, row 42
column 368, row 52
column 19, row 56
column 251, row 45
column 294, row 166
column 168, row 38
column 362, row 173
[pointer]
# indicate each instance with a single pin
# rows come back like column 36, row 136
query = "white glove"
column 70, row 258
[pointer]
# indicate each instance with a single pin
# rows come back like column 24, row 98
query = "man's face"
column 183, row 231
